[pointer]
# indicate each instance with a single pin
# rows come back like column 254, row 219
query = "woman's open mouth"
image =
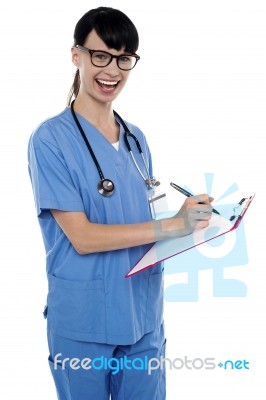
column 107, row 86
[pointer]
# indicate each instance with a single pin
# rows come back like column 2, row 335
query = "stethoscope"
column 106, row 187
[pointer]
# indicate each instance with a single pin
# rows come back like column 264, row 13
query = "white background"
column 198, row 94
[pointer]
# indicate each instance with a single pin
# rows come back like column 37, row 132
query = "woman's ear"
column 75, row 56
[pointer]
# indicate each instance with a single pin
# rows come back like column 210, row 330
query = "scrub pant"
column 95, row 371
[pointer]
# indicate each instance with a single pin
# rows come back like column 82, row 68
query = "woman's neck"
column 99, row 115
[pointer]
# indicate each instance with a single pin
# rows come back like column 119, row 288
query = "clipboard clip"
column 236, row 209
column 240, row 215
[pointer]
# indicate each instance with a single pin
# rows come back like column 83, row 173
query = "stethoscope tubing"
column 130, row 134
column 87, row 142
column 149, row 181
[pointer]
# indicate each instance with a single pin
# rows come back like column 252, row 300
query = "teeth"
column 107, row 83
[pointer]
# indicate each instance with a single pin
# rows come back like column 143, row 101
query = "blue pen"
column 186, row 193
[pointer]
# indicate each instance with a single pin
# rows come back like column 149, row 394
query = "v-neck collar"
column 96, row 137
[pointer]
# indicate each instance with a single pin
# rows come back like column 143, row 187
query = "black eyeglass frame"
column 91, row 52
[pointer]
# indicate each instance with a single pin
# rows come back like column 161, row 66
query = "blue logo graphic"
column 225, row 251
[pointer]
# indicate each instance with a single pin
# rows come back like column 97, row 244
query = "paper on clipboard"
column 164, row 249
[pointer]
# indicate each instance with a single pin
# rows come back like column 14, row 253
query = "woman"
column 102, row 328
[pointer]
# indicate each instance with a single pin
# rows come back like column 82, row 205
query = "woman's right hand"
column 194, row 214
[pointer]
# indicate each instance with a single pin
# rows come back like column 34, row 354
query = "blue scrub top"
column 89, row 298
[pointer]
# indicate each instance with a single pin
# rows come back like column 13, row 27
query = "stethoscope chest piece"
column 106, row 187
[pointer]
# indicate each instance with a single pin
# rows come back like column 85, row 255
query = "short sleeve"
column 52, row 184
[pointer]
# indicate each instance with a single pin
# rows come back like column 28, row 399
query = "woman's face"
column 100, row 84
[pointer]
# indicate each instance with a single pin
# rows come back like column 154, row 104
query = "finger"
column 200, row 217
column 203, row 216
column 201, row 198
column 200, row 208
column 201, row 225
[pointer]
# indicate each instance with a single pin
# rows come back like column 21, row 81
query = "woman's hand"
column 194, row 214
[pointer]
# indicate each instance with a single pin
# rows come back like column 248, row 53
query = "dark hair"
column 114, row 28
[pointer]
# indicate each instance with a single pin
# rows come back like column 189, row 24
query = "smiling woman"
column 95, row 67
column 115, row 33
column 93, row 235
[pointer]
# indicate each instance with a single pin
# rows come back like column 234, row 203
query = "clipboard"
column 219, row 225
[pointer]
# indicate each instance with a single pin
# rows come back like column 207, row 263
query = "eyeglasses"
column 103, row 58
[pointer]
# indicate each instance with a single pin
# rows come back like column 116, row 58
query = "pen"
column 186, row 193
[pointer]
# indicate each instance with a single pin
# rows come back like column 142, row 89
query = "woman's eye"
column 125, row 59
column 100, row 57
